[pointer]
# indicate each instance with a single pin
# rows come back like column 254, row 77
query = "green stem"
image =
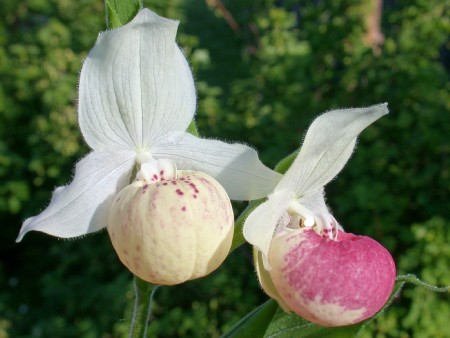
column 144, row 293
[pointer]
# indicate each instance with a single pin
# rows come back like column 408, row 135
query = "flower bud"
column 328, row 282
column 173, row 230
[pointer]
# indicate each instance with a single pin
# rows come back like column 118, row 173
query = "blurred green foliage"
column 261, row 78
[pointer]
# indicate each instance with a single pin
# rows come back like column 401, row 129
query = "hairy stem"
column 144, row 293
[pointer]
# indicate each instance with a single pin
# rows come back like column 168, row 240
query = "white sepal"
column 328, row 145
column 236, row 166
column 82, row 206
column 135, row 86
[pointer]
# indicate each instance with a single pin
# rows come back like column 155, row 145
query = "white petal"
column 135, row 85
column 82, row 206
column 328, row 145
column 314, row 201
column 260, row 225
column 236, row 166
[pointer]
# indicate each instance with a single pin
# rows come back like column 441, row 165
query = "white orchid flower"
column 136, row 99
column 298, row 198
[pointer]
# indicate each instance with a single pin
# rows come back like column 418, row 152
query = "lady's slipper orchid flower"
column 136, row 99
column 304, row 259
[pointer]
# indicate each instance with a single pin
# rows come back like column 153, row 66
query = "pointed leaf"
column 135, row 86
column 328, row 145
column 255, row 323
column 236, row 166
column 288, row 325
column 286, row 162
column 120, row 12
column 82, row 207
column 192, row 129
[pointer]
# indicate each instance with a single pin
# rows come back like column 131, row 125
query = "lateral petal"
column 260, row 225
column 135, row 85
column 82, row 206
column 236, row 166
column 328, row 145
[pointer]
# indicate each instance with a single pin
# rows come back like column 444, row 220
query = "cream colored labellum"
column 172, row 230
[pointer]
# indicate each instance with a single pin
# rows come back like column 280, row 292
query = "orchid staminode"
column 304, row 259
column 136, row 100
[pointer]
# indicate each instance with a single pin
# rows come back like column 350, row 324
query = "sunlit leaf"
column 192, row 129
column 286, row 325
column 255, row 323
column 120, row 12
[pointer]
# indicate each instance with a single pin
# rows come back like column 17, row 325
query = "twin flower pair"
column 174, row 221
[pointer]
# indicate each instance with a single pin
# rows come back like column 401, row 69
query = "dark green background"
column 260, row 82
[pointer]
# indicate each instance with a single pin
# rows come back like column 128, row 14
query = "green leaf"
column 286, row 162
column 255, row 323
column 287, row 325
column 192, row 128
column 120, row 12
